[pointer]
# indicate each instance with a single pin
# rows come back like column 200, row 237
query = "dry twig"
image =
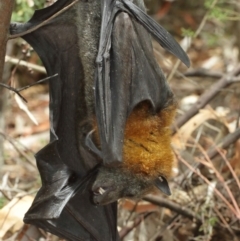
column 126, row 230
column 234, row 211
column 163, row 202
column 16, row 91
column 207, row 96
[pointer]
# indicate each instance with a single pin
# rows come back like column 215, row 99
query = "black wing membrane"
column 127, row 72
column 163, row 37
column 61, row 206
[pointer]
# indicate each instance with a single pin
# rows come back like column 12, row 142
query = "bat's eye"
column 99, row 191
column 72, row 179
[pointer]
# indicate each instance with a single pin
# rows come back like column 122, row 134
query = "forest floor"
column 205, row 200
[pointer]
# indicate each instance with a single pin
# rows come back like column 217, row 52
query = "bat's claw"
column 89, row 143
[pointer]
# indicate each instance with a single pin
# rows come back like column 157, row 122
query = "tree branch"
column 25, row 64
column 16, row 91
column 6, row 7
column 162, row 202
column 203, row 73
column 226, row 142
column 207, row 96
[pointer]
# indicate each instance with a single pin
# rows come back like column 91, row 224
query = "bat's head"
column 114, row 183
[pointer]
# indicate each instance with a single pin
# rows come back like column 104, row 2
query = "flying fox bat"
column 134, row 105
column 110, row 109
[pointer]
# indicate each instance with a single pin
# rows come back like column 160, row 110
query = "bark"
column 6, row 7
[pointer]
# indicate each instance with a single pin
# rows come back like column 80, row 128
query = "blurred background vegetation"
column 24, row 9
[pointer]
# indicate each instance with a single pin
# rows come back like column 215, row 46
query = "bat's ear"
column 162, row 184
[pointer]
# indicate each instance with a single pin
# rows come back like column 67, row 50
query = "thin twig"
column 28, row 159
column 132, row 211
column 125, row 230
column 226, row 225
column 213, row 151
column 11, row 189
column 25, row 64
column 159, row 233
column 203, row 73
column 205, row 18
column 209, row 183
column 220, row 178
column 226, row 142
column 16, row 91
column 38, row 82
column 203, row 22
column 230, row 167
column 162, row 202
